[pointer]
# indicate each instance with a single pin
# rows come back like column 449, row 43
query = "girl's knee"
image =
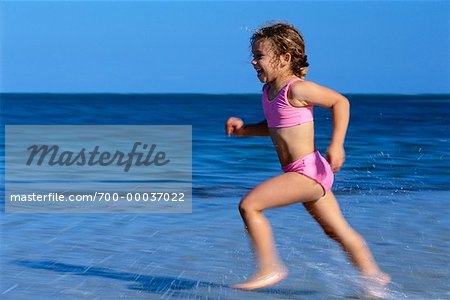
column 246, row 206
column 342, row 236
column 333, row 232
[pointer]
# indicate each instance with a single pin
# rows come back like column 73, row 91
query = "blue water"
column 393, row 189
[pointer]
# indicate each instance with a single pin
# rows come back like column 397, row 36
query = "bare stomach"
column 293, row 143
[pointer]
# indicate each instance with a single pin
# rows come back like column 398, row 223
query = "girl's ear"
column 286, row 58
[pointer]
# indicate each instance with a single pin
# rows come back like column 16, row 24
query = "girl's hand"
column 336, row 157
column 233, row 126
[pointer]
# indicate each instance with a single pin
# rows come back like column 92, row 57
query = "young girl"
column 280, row 62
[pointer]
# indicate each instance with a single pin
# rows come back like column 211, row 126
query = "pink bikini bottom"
column 315, row 167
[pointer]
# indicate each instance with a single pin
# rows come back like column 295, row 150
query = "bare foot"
column 375, row 285
column 262, row 279
column 380, row 279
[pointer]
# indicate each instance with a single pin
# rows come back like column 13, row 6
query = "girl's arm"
column 308, row 93
column 236, row 127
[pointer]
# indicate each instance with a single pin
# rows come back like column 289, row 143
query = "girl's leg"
column 279, row 191
column 327, row 213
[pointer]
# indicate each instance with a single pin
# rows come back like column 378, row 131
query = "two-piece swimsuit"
column 280, row 113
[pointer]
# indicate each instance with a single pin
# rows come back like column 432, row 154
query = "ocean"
column 393, row 189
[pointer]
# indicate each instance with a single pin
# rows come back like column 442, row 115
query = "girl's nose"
column 253, row 62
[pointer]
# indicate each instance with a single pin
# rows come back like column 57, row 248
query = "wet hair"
column 285, row 38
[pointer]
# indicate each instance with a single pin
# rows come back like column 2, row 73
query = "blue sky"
column 400, row 47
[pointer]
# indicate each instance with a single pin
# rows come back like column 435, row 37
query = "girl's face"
column 264, row 61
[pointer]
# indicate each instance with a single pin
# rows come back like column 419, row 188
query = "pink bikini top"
column 280, row 113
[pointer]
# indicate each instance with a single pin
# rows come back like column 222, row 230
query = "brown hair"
column 285, row 38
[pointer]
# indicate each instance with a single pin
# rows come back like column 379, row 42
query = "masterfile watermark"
column 121, row 167
column 95, row 157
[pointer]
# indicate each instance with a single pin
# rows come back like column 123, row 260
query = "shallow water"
column 393, row 189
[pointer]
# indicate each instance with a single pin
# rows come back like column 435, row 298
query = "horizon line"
column 210, row 94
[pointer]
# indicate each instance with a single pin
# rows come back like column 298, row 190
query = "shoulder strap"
column 286, row 97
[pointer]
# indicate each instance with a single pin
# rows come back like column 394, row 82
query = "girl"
column 280, row 62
